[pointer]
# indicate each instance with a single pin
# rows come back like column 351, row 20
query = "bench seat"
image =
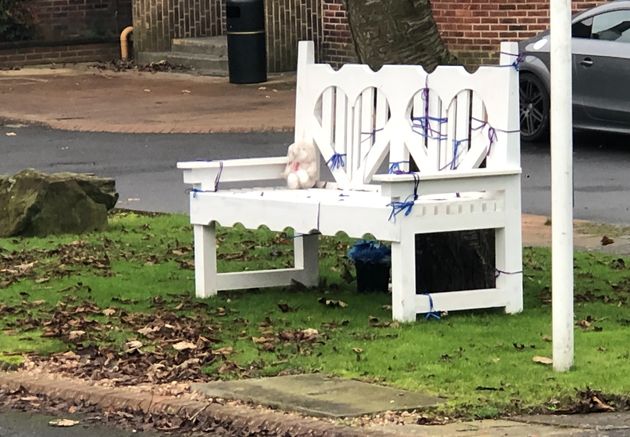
column 363, row 212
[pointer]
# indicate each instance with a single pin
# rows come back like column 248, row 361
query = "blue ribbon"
column 372, row 135
column 519, row 57
column 398, row 207
column 492, row 138
column 498, row 273
column 452, row 164
column 336, row 161
column 394, row 167
column 427, row 131
column 407, row 205
column 432, row 313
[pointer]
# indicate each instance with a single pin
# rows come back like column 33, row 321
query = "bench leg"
column 306, row 255
column 205, row 260
column 404, row 278
column 509, row 254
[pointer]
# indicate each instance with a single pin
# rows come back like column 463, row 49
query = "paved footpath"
column 89, row 99
column 93, row 100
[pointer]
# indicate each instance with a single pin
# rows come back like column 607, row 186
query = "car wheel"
column 534, row 108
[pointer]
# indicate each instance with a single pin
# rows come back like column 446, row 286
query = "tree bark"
column 396, row 32
column 452, row 261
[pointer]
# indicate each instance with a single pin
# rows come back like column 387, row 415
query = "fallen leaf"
column 184, row 345
column 221, row 311
column 599, row 405
column 542, row 360
column 285, row 308
column 224, row 351
column 133, row 345
column 74, row 335
column 63, row 423
column 38, row 302
column 332, row 303
column 584, row 324
column 488, row 388
column 109, row 312
column 310, row 333
column 148, row 330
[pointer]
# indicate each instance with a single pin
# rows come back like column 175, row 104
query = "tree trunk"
column 453, row 261
column 396, row 32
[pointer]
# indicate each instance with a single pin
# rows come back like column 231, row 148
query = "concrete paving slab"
column 593, row 421
column 485, row 428
column 318, row 395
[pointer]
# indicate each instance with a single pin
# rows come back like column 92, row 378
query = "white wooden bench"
column 461, row 130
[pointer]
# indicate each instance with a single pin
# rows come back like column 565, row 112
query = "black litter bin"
column 247, row 53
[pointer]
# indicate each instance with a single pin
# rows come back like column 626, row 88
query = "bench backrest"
column 448, row 120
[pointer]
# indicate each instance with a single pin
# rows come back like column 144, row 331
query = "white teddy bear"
column 301, row 169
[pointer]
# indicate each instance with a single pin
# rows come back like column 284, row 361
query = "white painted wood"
column 306, row 255
column 258, row 279
column 404, row 308
column 205, row 260
column 460, row 300
column 508, row 254
column 208, row 174
column 375, row 119
column 561, row 185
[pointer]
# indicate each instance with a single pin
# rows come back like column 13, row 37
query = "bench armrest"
column 401, row 185
column 206, row 174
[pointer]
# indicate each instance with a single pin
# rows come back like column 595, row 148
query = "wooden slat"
column 462, row 126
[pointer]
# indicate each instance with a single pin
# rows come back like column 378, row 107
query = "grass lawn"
column 119, row 304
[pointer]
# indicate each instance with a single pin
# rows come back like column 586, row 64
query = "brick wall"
column 156, row 22
column 473, row 29
column 67, row 31
column 58, row 54
column 62, row 20
column 286, row 23
column 337, row 44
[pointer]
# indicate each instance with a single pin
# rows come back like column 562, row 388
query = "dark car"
column 601, row 73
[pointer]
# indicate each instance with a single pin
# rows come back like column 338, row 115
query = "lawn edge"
column 242, row 419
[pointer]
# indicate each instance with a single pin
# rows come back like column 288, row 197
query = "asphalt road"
column 144, row 165
column 20, row 424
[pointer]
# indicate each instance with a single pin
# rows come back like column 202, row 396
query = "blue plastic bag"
column 370, row 252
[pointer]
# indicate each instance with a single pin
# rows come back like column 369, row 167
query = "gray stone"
column 39, row 204
column 318, row 395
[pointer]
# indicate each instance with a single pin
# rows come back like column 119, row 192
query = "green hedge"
column 16, row 21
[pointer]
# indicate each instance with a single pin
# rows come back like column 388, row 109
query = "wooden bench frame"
column 461, row 130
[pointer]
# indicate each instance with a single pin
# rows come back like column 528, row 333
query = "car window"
column 612, row 26
column 582, row 29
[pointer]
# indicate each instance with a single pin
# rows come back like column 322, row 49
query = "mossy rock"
column 39, row 204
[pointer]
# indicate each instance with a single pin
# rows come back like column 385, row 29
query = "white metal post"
column 561, row 184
